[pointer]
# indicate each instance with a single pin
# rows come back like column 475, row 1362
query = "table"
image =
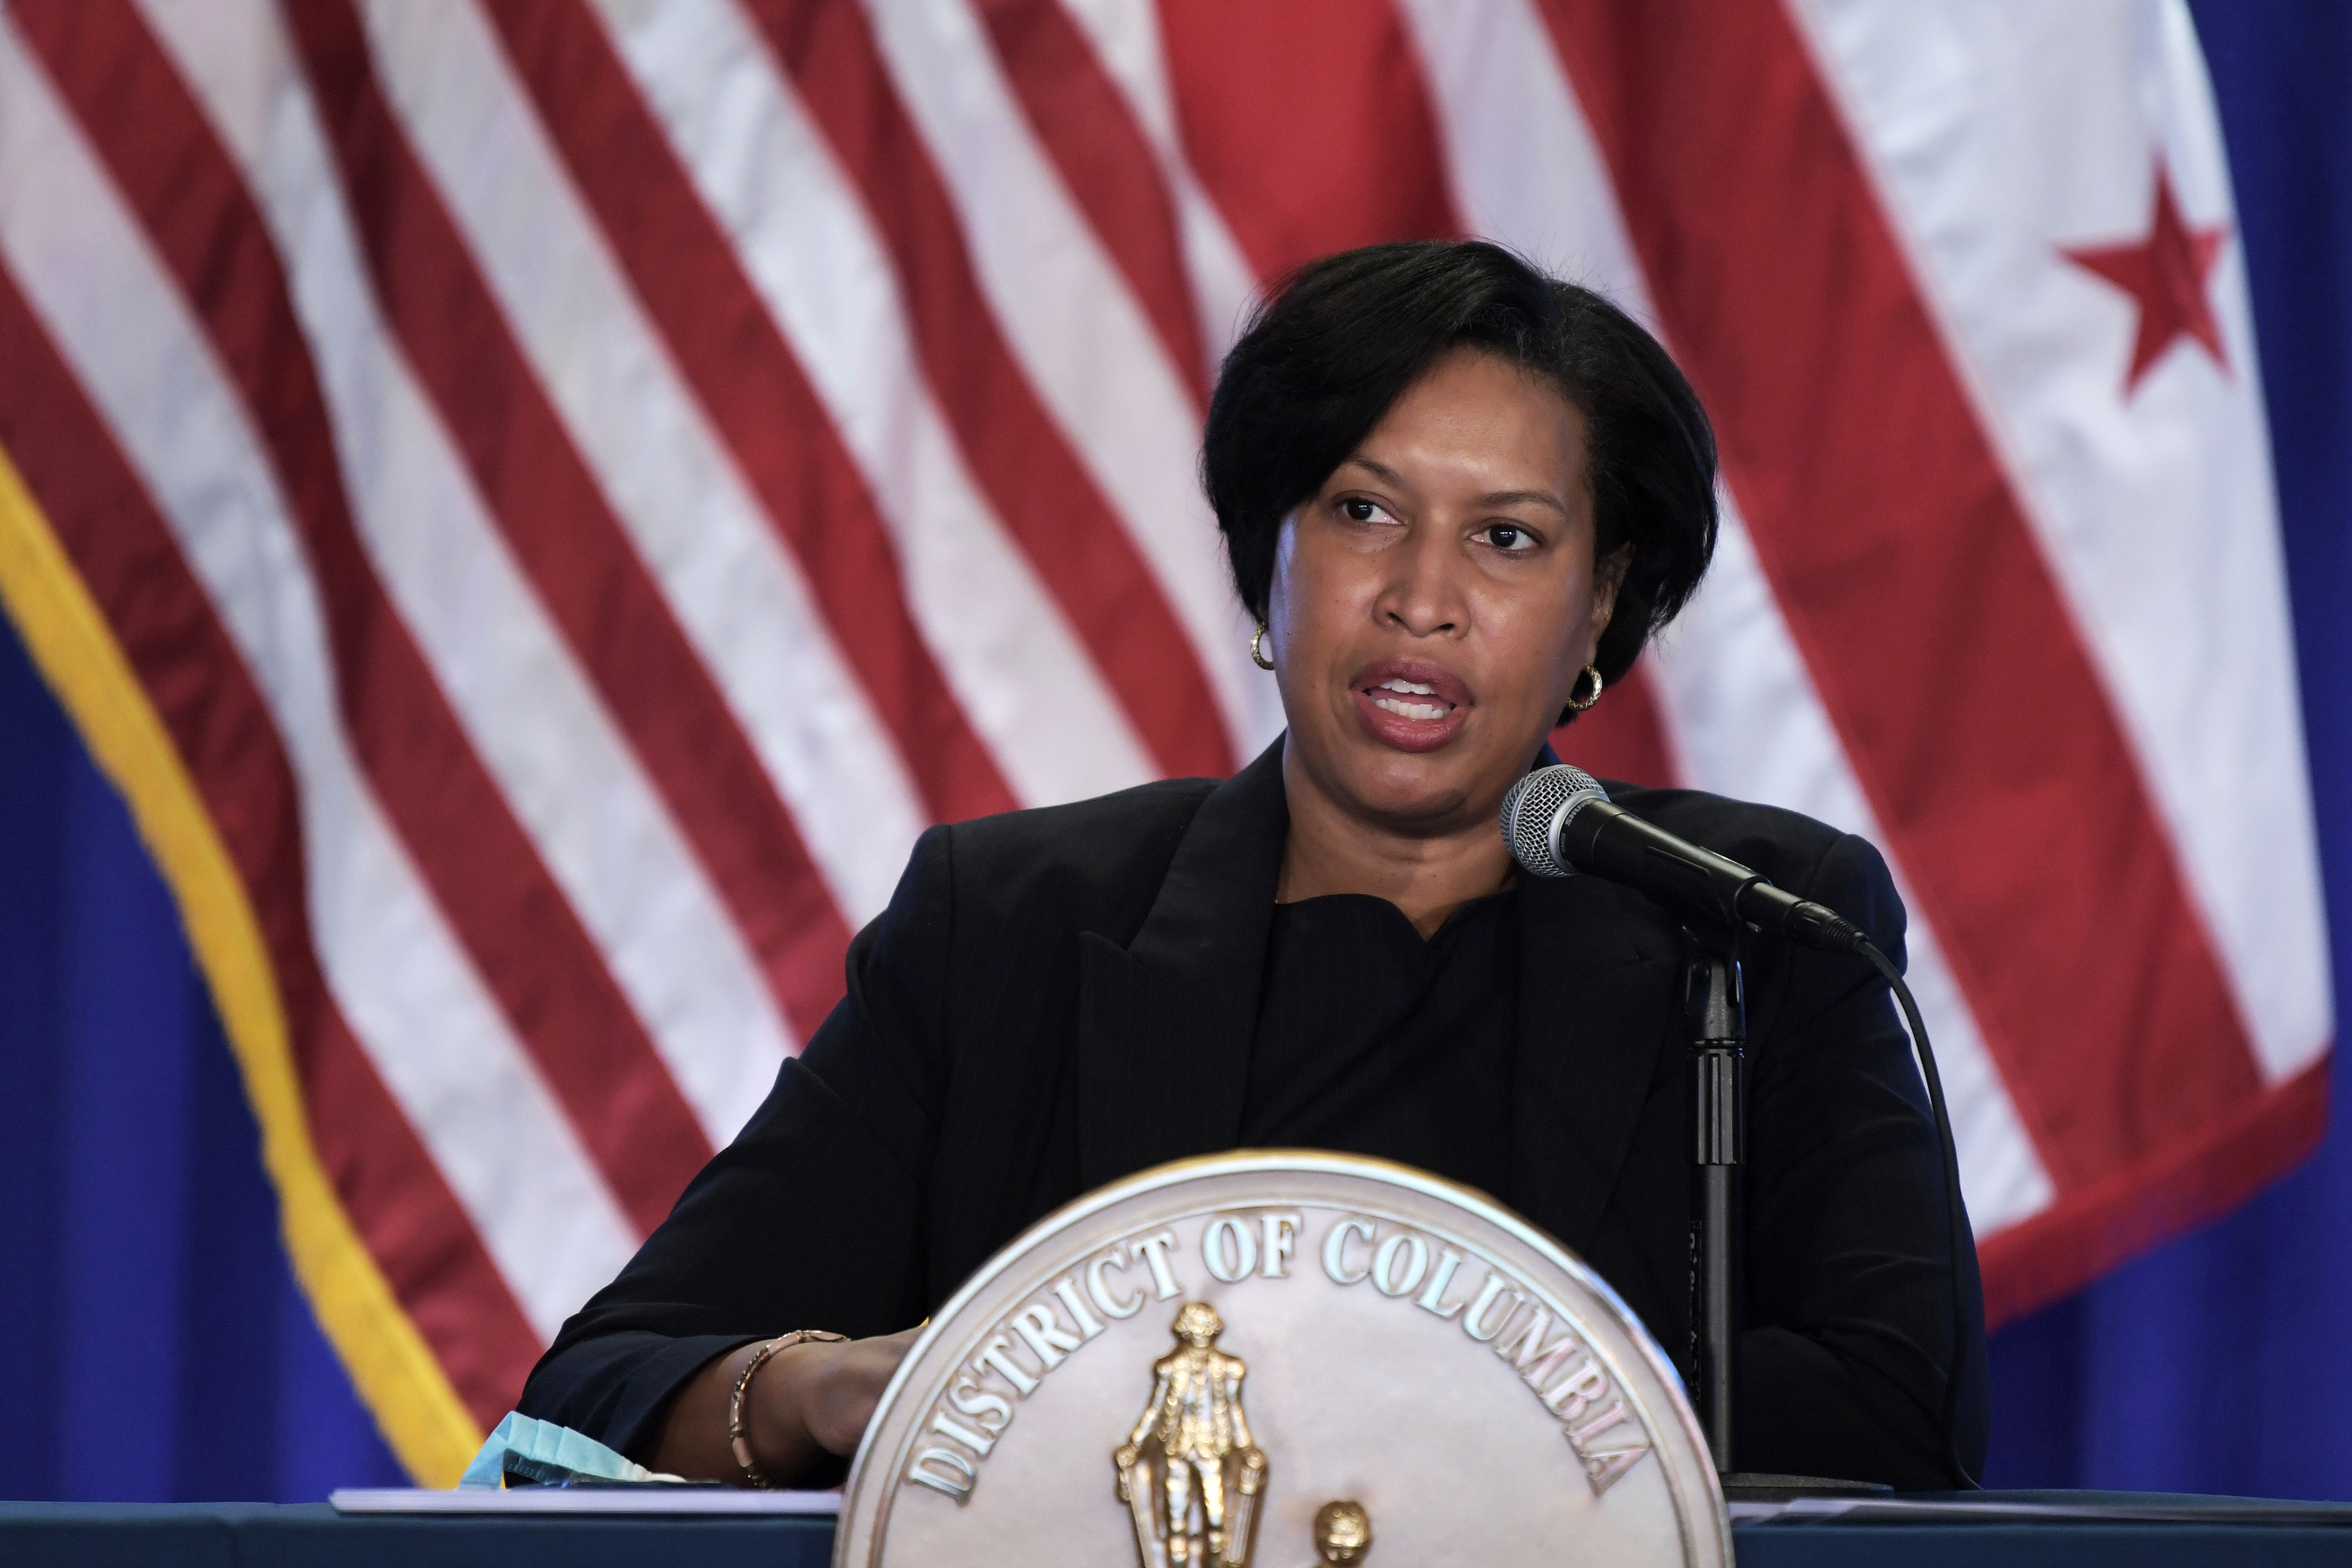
column 251, row 1535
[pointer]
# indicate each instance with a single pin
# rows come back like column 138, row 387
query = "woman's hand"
column 808, row 1401
column 826, row 1390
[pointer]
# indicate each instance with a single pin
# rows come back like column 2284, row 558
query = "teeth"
column 1396, row 684
column 1412, row 709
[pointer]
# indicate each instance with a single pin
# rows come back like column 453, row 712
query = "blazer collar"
column 1165, row 1023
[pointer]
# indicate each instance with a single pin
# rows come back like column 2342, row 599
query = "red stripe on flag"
column 411, row 1224
column 751, row 387
column 108, row 526
column 1944, row 653
column 1075, row 541
column 524, row 937
column 1309, row 125
column 548, row 507
column 1091, row 134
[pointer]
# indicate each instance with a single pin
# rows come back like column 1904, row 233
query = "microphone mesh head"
column 1534, row 811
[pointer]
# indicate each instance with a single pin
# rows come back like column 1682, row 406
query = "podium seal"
column 1283, row 1358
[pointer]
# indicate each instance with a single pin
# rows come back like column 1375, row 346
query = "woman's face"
column 1432, row 603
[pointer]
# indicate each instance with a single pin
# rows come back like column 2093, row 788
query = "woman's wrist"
column 801, row 1412
column 768, row 1433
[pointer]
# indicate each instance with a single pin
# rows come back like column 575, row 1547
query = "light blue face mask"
column 550, row 1454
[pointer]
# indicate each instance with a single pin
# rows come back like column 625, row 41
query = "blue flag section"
column 159, row 1347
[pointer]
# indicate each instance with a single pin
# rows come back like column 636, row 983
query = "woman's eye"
column 1511, row 537
column 1357, row 509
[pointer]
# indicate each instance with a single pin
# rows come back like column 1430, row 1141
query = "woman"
column 1460, row 496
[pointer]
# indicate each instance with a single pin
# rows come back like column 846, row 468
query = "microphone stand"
column 1715, row 1019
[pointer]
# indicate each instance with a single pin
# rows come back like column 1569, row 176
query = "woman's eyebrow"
column 1389, row 476
column 1380, row 471
column 1518, row 498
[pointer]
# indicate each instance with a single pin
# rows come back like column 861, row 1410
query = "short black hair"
column 1342, row 339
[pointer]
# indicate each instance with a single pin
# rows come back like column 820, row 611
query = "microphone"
column 1560, row 821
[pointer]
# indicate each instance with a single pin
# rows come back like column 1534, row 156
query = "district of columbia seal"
column 1273, row 1350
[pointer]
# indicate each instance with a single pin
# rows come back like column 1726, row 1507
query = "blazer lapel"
column 1165, row 1023
column 1598, row 974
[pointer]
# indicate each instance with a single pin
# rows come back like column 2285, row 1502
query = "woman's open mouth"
column 1403, row 703
column 1410, row 705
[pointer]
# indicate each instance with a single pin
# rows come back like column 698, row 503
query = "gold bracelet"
column 738, row 1438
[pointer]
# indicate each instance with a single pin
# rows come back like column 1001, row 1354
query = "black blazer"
column 1058, row 997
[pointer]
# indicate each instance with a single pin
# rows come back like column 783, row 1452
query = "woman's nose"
column 1422, row 595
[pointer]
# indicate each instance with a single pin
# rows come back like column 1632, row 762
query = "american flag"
column 538, row 502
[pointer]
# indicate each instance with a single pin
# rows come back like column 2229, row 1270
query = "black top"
column 1060, row 997
column 1372, row 1041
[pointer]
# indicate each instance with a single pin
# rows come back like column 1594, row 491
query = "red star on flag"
column 2166, row 273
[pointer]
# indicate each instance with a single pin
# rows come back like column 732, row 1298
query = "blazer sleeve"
column 812, row 1217
column 1851, row 1339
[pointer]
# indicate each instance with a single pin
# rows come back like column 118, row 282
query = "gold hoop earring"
column 1594, row 671
column 1258, row 648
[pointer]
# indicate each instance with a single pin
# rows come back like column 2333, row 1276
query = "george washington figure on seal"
column 1192, row 1442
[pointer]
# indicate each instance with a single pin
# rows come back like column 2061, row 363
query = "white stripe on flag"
column 1743, row 719
column 1126, row 38
column 522, row 699
column 2153, row 506
column 736, row 591
column 1087, row 346
column 413, row 999
column 1518, row 154
column 1027, row 683
column 1738, row 706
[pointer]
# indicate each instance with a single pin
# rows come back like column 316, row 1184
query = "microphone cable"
column 1955, row 1214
